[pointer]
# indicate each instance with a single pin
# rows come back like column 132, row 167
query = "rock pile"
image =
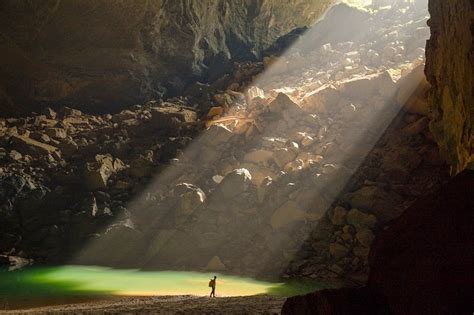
column 293, row 174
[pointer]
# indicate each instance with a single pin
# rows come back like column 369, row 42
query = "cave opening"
column 276, row 152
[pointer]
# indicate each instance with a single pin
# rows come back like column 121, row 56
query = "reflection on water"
column 58, row 283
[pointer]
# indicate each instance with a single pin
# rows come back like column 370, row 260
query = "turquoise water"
column 76, row 281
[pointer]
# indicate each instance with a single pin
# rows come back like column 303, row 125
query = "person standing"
column 212, row 284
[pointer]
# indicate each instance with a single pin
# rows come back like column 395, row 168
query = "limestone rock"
column 217, row 135
column 97, row 173
column 190, row 198
column 168, row 116
column 449, row 64
column 385, row 205
column 235, row 183
column 56, row 133
column 32, row 147
column 361, row 220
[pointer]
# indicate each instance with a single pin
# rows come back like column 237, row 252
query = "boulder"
column 169, row 115
column 361, row 220
column 217, row 135
column 367, row 87
column 97, row 173
column 323, row 99
column 32, row 147
column 385, row 205
column 284, row 104
column 190, row 198
column 235, row 183
column 56, row 133
column 252, row 93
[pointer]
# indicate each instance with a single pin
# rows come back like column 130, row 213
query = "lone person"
column 212, row 284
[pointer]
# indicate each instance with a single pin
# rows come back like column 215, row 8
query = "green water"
column 76, row 281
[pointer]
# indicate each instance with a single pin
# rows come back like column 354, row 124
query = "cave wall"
column 450, row 71
column 102, row 54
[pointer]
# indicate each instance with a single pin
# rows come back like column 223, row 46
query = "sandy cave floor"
column 165, row 305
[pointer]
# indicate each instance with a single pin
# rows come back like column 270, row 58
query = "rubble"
column 299, row 160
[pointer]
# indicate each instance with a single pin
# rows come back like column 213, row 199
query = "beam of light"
column 258, row 230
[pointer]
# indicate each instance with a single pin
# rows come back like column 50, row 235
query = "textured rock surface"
column 419, row 265
column 107, row 54
column 450, row 70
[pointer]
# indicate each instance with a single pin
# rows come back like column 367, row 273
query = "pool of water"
column 57, row 284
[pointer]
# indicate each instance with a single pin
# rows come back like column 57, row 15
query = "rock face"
column 450, row 70
column 107, row 54
column 421, row 264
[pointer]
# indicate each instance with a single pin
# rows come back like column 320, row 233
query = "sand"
column 165, row 305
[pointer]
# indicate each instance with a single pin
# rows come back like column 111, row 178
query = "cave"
column 288, row 157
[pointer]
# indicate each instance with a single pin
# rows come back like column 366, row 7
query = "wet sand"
column 164, row 305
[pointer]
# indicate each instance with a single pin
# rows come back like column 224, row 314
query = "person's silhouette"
column 212, row 284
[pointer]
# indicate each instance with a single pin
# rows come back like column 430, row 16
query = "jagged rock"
column 97, row 173
column 32, row 147
column 217, row 135
column 56, row 133
column 284, row 104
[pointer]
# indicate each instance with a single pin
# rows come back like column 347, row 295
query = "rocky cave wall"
column 101, row 55
column 450, row 71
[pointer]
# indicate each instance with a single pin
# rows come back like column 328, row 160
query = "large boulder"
column 235, row 183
